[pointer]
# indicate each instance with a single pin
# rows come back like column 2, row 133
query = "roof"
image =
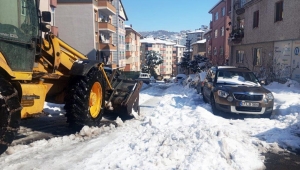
column 126, row 18
column 178, row 45
column 127, row 27
column 210, row 11
column 156, row 41
column 196, row 31
column 199, row 42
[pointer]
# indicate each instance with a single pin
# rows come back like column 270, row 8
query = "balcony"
column 162, row 49
column 53, row 3
column 54, row 30
column 236, row 35
column 128, row 54
column 107, row 47
column 106, row 7
column 128, row 40
column 107, row 27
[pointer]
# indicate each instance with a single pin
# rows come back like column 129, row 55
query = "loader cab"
column 19, row 32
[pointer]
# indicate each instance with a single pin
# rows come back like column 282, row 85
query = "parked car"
column 180, row 78
column 145, row 77
column 236, row 90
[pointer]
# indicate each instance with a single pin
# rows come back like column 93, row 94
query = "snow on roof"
column 178, row 45
column 156, row 41
column 199, row 42
column 196, row 31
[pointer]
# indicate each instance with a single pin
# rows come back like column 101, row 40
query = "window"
column 215, row 51
column 23, row 7
column 257, row 58
column 222, row 31
column 216, row 33
column 279, row 11
column 255, row 19
column 223, row 11
column 242, row 21
column 216, row 16
column 240, row 56
column 221, row 51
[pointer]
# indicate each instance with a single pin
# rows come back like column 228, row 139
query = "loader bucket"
column 124, row 98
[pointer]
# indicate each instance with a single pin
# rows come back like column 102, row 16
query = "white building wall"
column 76, row 27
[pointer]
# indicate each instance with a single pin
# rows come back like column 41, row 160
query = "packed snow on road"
column 175, row 130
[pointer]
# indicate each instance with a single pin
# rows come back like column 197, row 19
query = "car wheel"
column 213, row 105
column 204, row 99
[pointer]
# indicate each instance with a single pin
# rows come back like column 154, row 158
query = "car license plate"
column 249, row 104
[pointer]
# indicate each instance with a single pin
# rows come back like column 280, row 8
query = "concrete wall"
column 76, row 27
column 278, row 40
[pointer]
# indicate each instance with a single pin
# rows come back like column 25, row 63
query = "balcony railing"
column 105, row 26
column 107, row 47
column 236, row 35
column 53, row 3
column 106, row 7
column 54, row 30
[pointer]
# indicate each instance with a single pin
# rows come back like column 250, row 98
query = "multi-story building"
column 95, row 28
column 195, row 36
column 266, row 39
column 199, row 48
column 177, row 55
column 50, row 5
column 164, row 48
column 133, row 44
column 119, row 37
column 217, row 46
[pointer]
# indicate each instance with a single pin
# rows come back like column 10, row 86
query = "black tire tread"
column 10, row 114
column 77, row 99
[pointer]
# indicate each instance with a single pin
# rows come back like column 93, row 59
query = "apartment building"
column 133, row 45
column 177, row 55
column 50, row 5
column 165, row 48
column 195, row 35
column 199, row 48
column 217, row 45
column 95, row 28
column 266, row 39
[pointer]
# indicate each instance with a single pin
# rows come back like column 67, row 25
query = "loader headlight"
column 222, row 93
column 269, row 96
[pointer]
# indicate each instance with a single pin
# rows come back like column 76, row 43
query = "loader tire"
column 85, row 101
column 10, row 114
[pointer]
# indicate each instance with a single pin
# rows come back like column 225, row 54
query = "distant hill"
column 158, row 33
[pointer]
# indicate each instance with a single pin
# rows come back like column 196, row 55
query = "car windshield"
column 237, row 78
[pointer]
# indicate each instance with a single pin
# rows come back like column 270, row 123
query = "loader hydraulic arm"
column 56, row 52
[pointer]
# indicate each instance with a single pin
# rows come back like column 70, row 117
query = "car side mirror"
column 46, row 16
column 262, row 82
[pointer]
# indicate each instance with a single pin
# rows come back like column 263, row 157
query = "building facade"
column 199, row 48
column 265, row 39
column 164, row 48
column 177, row 55
column 95, row 28
column 218, row 48
column 133, row 45
column 50, row 5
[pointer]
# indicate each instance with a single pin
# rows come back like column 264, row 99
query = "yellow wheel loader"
column 35, row 69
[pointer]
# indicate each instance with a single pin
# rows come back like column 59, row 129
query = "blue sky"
column 170, row 15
